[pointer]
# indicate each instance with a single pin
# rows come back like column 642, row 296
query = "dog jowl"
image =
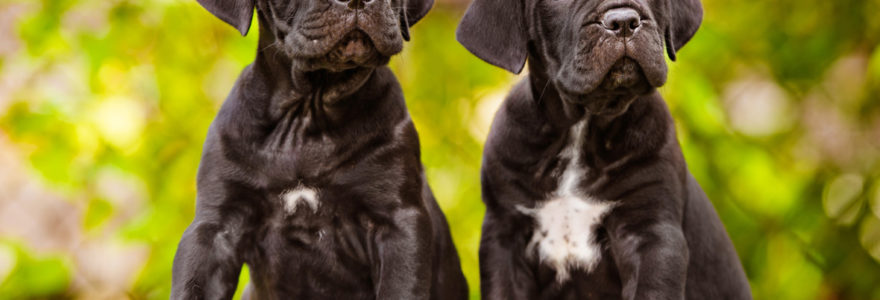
column 311, row 171
column 586, row 189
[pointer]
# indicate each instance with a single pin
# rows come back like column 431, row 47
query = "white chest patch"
column 566, row 223
column 301, row 194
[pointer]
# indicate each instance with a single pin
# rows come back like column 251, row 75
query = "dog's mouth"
column 622, row 84
column 624, row 75
column 355, row 49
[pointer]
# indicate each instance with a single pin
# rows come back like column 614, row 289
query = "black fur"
column 317, row 109
column 662, row 239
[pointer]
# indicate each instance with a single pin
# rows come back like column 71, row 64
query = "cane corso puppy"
column 587, row 193
column 311, row 172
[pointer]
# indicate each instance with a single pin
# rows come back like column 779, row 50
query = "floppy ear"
column 685, row 17
column 237, row 13
column 495, row 31
column 414, row 10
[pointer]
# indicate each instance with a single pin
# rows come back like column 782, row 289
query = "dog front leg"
column 405, row 256
column 651, row 258
column 206, row 266
column 503, row 272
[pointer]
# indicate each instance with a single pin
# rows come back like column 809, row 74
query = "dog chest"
column 318, row 222
column 564, row 236
column 300, row 196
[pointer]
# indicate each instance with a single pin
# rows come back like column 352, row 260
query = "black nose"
column 355, row 4
column 622, row 21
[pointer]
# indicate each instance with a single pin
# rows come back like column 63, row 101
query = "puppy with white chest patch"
column 311, row 172
column 587, row 193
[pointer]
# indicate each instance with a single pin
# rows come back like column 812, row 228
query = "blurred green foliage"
column 104, row 106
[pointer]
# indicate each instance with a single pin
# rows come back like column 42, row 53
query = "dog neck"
column 559, row 113
column 647, row 122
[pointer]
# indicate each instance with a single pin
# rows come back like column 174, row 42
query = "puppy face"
column 604, row 53
column 599, row 54
column 333, row 35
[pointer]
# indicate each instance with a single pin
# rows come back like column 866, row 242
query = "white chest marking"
column 301, row 194
column 564, row 236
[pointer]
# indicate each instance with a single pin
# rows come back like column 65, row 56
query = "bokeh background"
column 104, row 105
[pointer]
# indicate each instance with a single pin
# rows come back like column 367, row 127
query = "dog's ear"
column 237, row 13
column 495, row 31
column 414, row 10
column 684, row 19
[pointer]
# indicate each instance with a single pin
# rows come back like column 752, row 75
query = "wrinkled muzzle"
column 619, row 51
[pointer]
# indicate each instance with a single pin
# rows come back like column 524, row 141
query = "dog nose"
column 622, row 21
column 355, row 4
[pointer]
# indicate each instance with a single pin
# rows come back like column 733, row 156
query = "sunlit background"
column 104, row 105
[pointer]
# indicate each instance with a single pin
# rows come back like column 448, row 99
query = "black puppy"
column 311, row 171
column 587, row 193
